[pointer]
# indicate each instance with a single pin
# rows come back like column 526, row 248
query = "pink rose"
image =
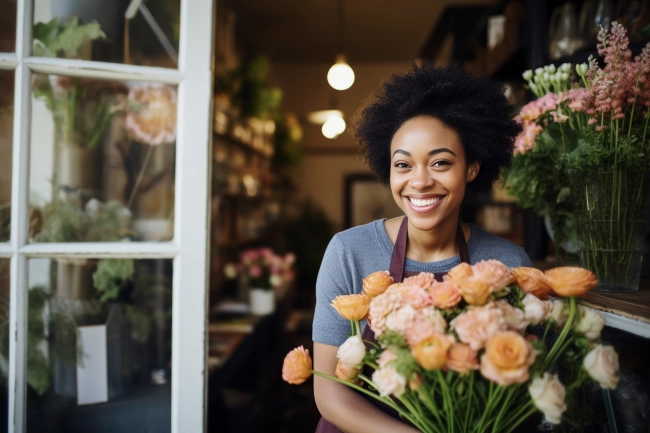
column 416, row 297
column 380, row 307
column 401, row 319
column 461, row 358
column 389, row 382
column 444, row 294
column 535, row 310
column 255, row 271
column 513, row 317
column 476, row 325
column 423, row 280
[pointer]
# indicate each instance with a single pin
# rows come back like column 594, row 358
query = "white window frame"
column 188, row 249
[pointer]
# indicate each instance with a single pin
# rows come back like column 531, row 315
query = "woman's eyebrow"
column 442, row 149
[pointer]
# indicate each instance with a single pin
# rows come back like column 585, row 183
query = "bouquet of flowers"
column 263, row 268
column 476, row 352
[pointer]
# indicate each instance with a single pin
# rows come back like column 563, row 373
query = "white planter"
column 262, row 301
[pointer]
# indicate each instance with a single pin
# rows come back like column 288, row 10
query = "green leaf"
column 110, row 275
column 564, row 193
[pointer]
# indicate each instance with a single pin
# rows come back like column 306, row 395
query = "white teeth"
column 422, row 203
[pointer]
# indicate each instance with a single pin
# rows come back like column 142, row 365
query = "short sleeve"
column 334, row 279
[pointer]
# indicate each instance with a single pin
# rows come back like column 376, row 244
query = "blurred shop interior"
column 286, row 176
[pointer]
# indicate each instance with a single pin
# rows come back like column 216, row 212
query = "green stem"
column 520, row 416
column 551, row 357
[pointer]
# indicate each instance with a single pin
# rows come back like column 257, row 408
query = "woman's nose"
column 421, row 179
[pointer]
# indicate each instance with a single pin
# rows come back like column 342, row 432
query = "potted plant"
column 265, row 273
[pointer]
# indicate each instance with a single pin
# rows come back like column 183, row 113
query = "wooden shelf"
column 628, row 311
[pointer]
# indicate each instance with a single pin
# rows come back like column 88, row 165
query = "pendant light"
column 340, row 76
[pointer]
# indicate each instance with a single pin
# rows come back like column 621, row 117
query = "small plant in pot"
column 265, row 273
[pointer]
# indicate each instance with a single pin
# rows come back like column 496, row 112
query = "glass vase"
column 610, row 212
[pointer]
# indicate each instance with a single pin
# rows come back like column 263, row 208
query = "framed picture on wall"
column 367, row 200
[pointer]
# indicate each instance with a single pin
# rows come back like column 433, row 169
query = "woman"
column 430, row 134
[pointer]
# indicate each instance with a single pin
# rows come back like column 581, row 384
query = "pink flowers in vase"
column 263, row 268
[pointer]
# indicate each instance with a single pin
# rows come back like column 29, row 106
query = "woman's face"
column 428, row 171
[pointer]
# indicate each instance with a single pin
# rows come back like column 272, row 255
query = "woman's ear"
column 472, row 170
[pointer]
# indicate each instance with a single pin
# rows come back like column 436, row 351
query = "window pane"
column 102, row 160
column 4, row 340
column 97, row 30
column 8, row 26
column 6, row 137
column 99, row 345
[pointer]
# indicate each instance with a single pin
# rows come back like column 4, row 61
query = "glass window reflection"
column 98, row 30
column 102, row 160
column 99, row 345
column 6, row 140
column 8, row 26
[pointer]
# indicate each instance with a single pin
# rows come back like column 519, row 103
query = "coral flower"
column 478, row 281
column 352, row 307
column 444, row 294
column 477, row 325
column 532, row 281
column 347, row 373
column 461, row 358
column 297, row 366
column 431, row 353
column 152, row 114
column 571, row 281
column 377, row 283
column 507, row 359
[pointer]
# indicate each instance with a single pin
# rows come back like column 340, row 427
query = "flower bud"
column 297, row 366
column 352, row 351
column 528, row 75
column 590, row 323
column 571, row 281
column 377, row 283
column 602, row 365
column 535, row 311
column 352, row 307
column 548, row 395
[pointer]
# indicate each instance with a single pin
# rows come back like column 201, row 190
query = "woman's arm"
column 344, row 407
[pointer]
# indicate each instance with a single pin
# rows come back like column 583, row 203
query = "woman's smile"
column 423, row 204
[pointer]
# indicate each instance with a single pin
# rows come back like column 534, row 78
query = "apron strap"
column 398, row 259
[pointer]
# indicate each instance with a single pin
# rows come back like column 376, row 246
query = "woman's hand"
column 345, row 408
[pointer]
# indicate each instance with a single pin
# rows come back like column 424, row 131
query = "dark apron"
column 398, row 273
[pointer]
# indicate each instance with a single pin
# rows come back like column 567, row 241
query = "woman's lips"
column 426, row 208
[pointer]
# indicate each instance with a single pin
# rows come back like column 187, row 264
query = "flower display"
column 151, row 116
column 475, row 368
column 262, row 268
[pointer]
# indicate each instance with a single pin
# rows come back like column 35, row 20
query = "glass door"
column 105, row 134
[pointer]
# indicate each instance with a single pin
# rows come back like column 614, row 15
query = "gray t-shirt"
column 357, row 252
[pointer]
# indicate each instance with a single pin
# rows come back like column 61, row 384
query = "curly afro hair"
column 474, row 107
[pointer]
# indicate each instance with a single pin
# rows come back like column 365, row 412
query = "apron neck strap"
column 399, row 250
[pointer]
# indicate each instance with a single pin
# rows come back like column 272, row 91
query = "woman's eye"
column 440, row 163
column 401, row 165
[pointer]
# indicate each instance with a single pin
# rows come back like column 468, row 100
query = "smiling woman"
column 430, row 134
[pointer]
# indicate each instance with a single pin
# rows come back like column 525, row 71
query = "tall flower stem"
column 555, row 350
column 140, row 175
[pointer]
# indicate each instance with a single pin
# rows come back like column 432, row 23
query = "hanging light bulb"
column 333, row 127
column 340, row 76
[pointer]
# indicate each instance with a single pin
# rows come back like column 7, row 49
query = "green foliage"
column 110, row 276
column 56, row 39
column 252, row 92
column 67, row 222
column 392, row 339
column 287, row 137
column 405, row 364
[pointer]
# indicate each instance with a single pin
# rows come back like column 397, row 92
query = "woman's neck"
column 433, row 245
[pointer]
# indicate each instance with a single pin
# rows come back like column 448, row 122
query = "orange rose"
column 445, row 294
column 507, row 358
column 532, row 281
column 352, row 307
column 431, row 353
column 571, row 281
column 494, row 273
column 462, row 358
column 475, row 291
column 377, row 283
column 347, row 373
column 297, row 366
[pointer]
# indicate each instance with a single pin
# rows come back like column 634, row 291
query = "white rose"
column 559, row 312
column 548, row 395
column 389, row 381
column 590, row 323
column 602, row 365
column 352, row 351
column 513, row 317
column 535, row 310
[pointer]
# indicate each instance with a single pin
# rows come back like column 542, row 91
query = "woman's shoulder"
column 484, row 245
column 358, row 235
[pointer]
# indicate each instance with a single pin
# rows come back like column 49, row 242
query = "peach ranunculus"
column 431, row 353
column 352, row 307
column 423, row 280
column 602, row 365
column 377, row 283
column 444, row 294
column 514, row 317
column 476, row 282
column 347, row 373
column 296, row 368
column 461, row 358
column 380, row 308
column 477, row 325
column 535, row 310
column 533, row 281
column 548, row 395
column 507, row 358
column 571, row 281
column 389, row 381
